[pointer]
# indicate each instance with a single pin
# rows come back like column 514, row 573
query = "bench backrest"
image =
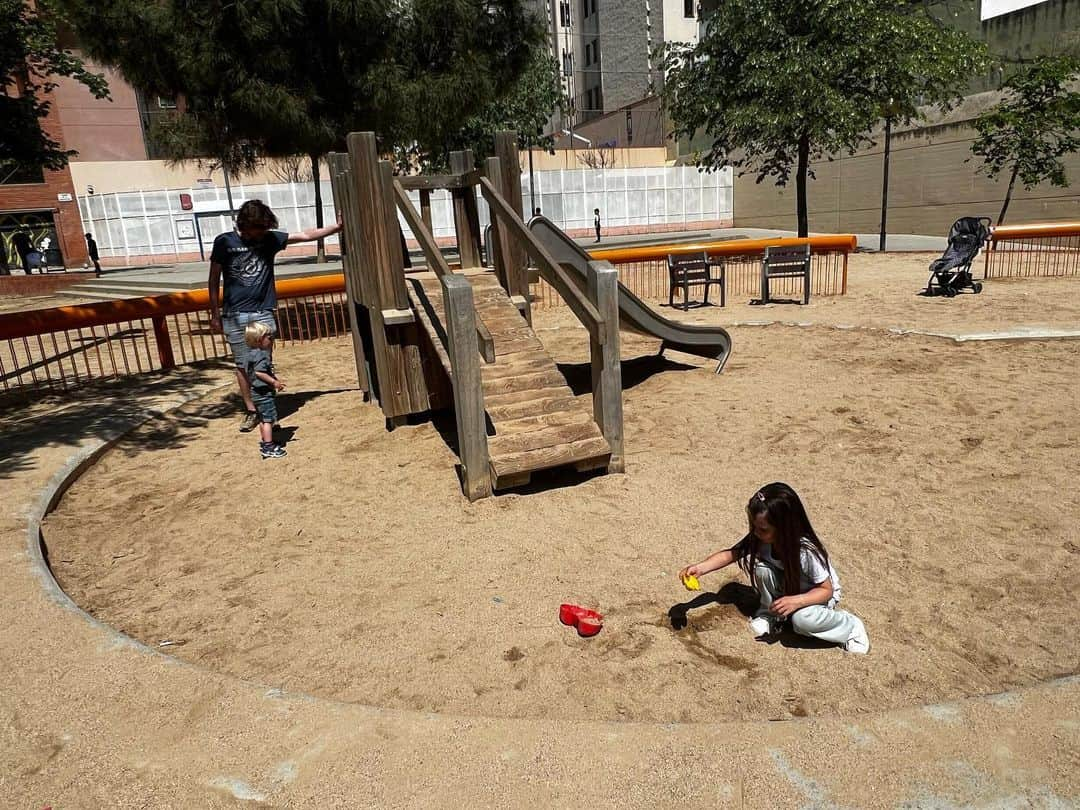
column 689, row 264
column 787, row 260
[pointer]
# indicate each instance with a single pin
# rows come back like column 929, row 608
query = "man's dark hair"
column 257, row 213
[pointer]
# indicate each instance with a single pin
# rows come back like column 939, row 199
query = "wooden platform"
column 538, row 422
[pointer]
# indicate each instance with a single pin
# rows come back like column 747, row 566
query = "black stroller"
column 952, row 272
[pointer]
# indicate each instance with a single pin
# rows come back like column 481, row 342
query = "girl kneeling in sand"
column 790, row 570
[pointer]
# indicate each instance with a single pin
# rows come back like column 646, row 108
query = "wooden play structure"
column 462, row 337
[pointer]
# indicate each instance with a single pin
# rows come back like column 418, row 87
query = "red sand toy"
column 588, row 622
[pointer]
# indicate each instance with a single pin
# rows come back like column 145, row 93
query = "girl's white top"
column 813, row 570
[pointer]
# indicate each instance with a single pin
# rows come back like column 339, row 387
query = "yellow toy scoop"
column 691, row 583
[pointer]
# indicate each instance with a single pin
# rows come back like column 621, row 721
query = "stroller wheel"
column 949, row 292
column 977, row 287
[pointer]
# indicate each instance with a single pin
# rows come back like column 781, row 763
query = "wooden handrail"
column 437, row 262
column 589, row 316
column 432, row 182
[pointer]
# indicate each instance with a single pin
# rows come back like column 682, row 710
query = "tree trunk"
column 800, row 184
column 1008, row 194
column 885, row 185
column 228, row 188
column 320, row 250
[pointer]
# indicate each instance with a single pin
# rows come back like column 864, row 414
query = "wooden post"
column 425, row 208
column 506, row 149
column 350, row 255
column 466, row 216
column 385, row 282
column 606, row 366
column 502, row 243
column 468, row 390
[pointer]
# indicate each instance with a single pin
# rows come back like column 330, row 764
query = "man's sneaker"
column 249, row 422
column 760, row 626
column 272, row 451
column 859, row 642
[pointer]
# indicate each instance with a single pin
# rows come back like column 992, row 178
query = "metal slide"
column 634, row 314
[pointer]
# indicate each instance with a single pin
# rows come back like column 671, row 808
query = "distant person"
column 43, row 248
column 790, row 570
column 91, row 248
column 264, row 385
column 244, row 258
column 20, row 240
column 5, row 268
column 536, row 212
column 596, row 222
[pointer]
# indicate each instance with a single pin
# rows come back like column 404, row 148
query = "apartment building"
column 604, row 49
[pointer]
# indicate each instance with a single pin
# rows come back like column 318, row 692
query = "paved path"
column 90, row 719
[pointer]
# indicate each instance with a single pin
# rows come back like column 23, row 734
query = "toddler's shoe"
column 249, row 422
column 272, row 450
column 761, row 626
column 859, row 643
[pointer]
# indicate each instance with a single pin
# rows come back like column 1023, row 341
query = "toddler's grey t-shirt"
column 259, row 360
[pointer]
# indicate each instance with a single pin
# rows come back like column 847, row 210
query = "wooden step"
column 593, row 451
column 543, row 421
column 523, row 382
column 512, row 397
column 502, row 445
column 521, row 364
column 562, row 401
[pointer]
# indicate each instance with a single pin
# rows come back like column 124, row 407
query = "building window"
column 567, row 63
column 564, row 13
column 596, row 51
column 688, row 9
column 584, row 9
column 593, row 6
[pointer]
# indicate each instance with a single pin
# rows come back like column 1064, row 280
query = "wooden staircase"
column 538, row 422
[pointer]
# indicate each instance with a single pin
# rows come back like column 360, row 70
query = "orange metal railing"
column 644, row 269
column 62, row 347
column 1044, row 249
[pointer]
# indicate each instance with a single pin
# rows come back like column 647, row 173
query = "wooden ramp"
column 538, row 422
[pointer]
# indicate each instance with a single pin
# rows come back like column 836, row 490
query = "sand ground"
column 936, row 473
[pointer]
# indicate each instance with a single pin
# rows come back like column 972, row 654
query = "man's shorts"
column 234, row 325
column 265, row 406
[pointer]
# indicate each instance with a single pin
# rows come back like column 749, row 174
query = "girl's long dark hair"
column 785, row 512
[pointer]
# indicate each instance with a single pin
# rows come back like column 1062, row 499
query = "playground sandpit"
column 940, row 477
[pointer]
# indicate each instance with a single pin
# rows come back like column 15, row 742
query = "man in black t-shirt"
column 244, row 259
column 20, row 240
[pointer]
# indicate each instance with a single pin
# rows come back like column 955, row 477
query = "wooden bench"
column 785, row 262
column 693, row 270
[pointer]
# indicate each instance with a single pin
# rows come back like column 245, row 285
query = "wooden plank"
column 526, row 365
column 350, row 250
column 603, row 282
column 468, row 395
column 524, row 382
column 466, row 216
column 593, row 449
column 506, row 149
column 515, row 345
column 553, row 403
column 527, row 424
column 498, row 251
column 513, row 397
column 425, row 208
column 500, row 445
column 437, row 339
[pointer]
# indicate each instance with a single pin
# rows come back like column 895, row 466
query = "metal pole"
column 885, row 186
column 532, row 186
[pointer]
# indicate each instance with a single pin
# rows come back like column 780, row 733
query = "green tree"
column 1036, row 124
column 775, row 84
column 30, row 60
column 526, row 108
column 287, row 77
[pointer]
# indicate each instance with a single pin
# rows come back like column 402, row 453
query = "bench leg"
column 806, row 287
column 723, row 289
column 685, row 296
column 671, row 297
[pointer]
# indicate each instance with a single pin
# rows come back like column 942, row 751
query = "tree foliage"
column 30, row 61
column 1036, row 124
column 295, row 76
column 775, row 84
